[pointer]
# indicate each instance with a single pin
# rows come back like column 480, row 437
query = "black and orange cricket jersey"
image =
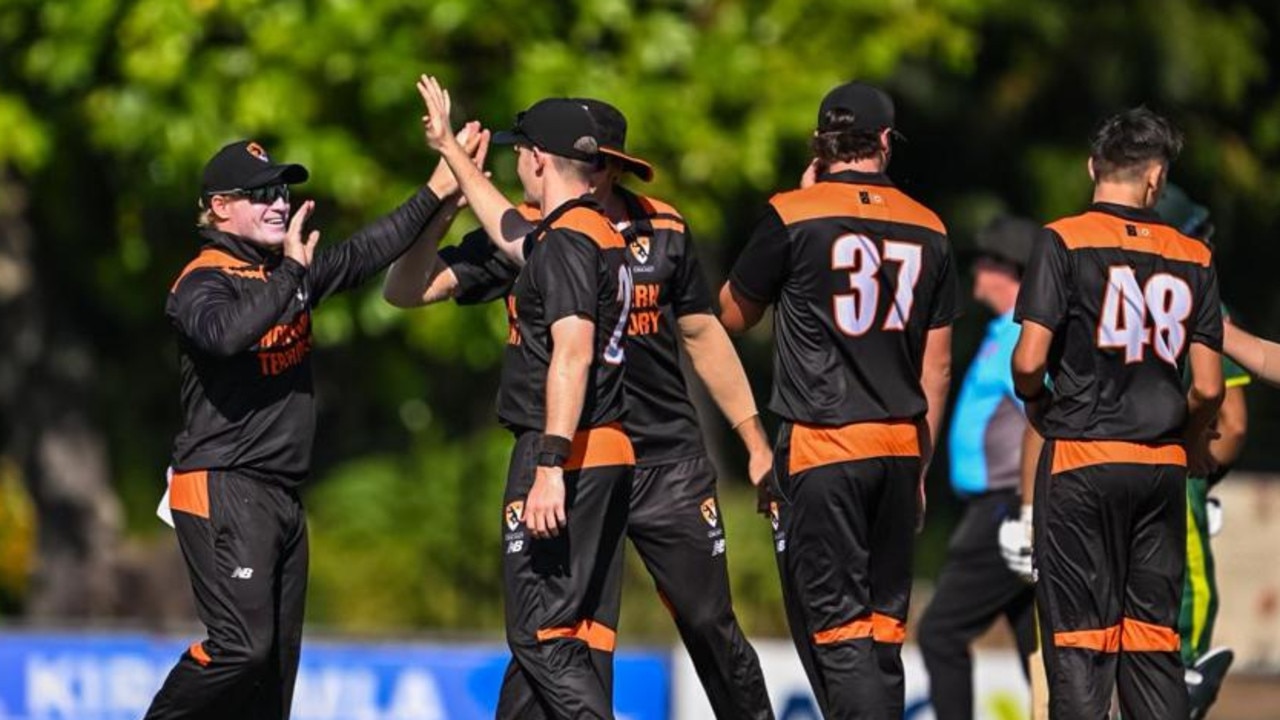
column 243, row 319
column 1125, row 296
column 574, row 267
column 668, row 284
column 859, row 273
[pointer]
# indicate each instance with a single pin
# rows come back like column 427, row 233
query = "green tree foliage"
column 110, row 107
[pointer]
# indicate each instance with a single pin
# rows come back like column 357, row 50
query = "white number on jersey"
column 1126, row 309
column 613, row 352
column 859, row 256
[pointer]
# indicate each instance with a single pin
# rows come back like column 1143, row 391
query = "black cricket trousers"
column 562, row 594
column 844, row 537
column 1110, row 549
column 245, row 546
column 677, row 530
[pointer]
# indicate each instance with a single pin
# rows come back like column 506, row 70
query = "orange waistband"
column 816, row 445
column 189, row 492
column 602, row 446
column 1071, row 455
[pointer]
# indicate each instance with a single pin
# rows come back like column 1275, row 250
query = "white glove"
column 1213, row 513
column 1015, row 545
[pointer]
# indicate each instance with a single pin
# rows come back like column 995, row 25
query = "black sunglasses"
column 265, row 195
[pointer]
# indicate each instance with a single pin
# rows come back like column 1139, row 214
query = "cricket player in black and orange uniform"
column 674, row 518
column 242, row 312
column 1114, row 304
column 864, row 289
column 565, row 504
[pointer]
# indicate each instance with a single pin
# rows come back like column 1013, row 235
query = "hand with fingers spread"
column 544, row 512
column 294, row 246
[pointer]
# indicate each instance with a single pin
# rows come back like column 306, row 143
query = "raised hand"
column 435, row 123
column 443, row 182
column 294, row 246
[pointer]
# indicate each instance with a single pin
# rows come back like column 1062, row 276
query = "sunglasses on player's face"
column 265, row 195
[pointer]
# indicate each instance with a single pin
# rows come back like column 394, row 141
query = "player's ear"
column 885, row 136
column 1093, row 175
column 1155, row 177
column 218, row 207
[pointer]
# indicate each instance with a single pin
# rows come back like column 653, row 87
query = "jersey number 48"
column 859, row 256
column 1127, row 307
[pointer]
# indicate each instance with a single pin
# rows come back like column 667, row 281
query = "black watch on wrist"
column 553, row 450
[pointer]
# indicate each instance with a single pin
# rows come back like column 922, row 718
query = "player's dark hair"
column 837, row 141
column 1129, row 141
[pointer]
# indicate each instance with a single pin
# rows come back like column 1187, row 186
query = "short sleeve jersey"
column 574, row 267
column 858, row 273
column 668, row 284
column 1125, row 295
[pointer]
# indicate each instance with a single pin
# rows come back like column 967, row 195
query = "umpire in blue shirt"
column 976, row 587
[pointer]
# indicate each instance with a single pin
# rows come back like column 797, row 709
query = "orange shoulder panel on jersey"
column 226, row 262
column 1100, row 230
column 529, row 212
column 872, row 202
column 662, row 216
column 592, row 224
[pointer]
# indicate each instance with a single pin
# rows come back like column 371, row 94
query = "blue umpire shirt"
column 988, row 424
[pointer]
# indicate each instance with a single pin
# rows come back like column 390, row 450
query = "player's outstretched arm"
column 1260, row 357
column 505, row 226
column 420, row 277
column 717, row 365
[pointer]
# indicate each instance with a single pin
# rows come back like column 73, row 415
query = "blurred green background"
column 109, row 108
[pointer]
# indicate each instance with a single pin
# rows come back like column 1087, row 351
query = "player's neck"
column 559, row 190
column 614, row 206
column 1132, row 195
column 873, row 165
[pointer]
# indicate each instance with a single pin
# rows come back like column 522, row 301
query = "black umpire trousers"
column 974, row 590
column 1110, row 549
column 844, row 536
column 562, row 594
column 245, row 545
column 677, row 529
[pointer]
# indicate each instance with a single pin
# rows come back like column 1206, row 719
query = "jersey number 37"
column 859, row 256
column 1134, row 316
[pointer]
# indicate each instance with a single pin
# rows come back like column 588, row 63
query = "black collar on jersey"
column 639, row 222
column 855, row 177
column 1129, row 212
column 241, row 248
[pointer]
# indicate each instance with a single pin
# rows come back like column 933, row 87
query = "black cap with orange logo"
column 244, row 165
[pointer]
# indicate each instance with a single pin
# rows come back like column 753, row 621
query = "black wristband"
column 553, row 450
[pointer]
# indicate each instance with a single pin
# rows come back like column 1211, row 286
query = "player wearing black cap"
column 864, row 291
column 674, row 518
column 562, row 396
column 1114, row 306
column 976, row 588
column 242, row 312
